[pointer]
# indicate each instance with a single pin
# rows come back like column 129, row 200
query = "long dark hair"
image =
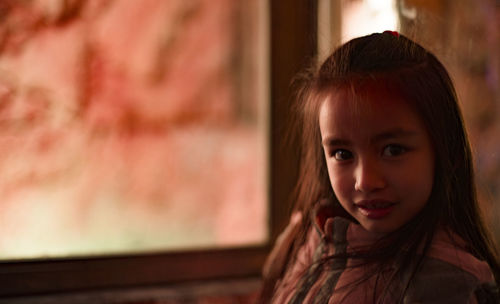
column 405, row 67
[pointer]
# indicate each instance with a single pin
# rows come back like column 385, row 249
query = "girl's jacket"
column 449, row 273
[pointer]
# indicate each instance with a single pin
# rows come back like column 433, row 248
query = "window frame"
column 292, row 34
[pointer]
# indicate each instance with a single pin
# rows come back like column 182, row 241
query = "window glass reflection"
column 131, row 126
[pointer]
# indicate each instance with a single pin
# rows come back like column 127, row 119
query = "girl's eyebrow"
column 332, row 141
column 396, row 133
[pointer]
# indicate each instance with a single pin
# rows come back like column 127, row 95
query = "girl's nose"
column 369, row 177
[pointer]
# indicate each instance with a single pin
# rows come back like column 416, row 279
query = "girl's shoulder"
column 449, row 248
column 278, row 257
column 320, row 218
column 284, row 268
column 450, row 273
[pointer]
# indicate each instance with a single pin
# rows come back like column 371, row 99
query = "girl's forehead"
column 345, row 109
column 371, row 95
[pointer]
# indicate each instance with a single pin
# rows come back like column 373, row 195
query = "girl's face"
column 379, row 157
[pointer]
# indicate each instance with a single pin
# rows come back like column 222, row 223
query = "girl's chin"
column 378, row 228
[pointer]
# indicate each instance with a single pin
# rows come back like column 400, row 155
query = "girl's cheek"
column 339, row 179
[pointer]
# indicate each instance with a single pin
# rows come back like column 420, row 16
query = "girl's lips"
column 375, row 209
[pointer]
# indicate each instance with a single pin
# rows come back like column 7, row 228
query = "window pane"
column 131, row 126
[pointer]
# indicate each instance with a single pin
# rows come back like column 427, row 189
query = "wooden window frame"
column 292, row 46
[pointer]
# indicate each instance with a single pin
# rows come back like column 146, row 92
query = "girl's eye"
column 393, row 150
column 342, row 154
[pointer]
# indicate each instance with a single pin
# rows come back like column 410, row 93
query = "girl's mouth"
column 375, row 209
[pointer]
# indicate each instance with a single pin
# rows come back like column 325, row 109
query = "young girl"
column 386, row 208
